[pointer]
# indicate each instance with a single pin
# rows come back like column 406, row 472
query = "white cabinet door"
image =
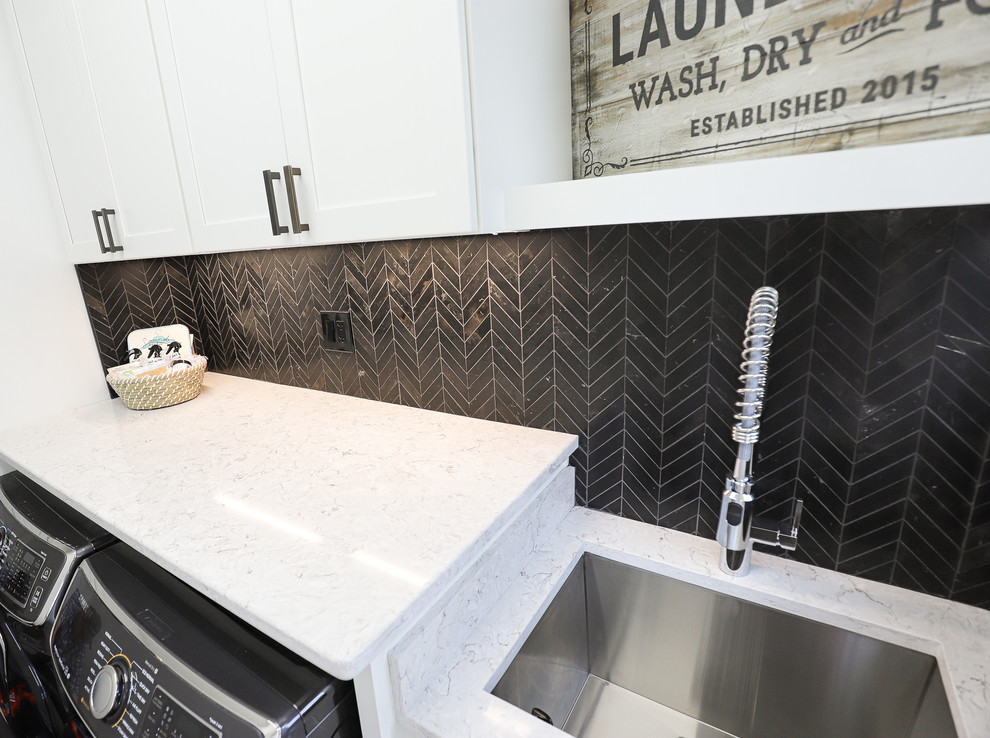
column 376, row 103
column 219, row 75
column 94, row 77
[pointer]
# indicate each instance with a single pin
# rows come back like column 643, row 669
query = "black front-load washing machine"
column 42, row 541
column 140, row 653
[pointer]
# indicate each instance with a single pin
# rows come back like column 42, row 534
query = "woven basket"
column 161, row 390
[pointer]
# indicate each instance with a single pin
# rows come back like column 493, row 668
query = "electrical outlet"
column 336, row 329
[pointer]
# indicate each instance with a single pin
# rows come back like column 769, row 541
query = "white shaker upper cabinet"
column 359, row 113
column 377, row 108
column 218, row 73
column 93, row 74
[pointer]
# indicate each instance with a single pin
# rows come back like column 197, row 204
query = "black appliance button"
column 734, row 513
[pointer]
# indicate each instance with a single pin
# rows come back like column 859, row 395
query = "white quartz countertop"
column 326, row 521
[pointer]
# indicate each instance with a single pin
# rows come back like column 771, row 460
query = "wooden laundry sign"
column 664, row 83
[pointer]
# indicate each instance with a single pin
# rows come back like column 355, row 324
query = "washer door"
column 26, row 706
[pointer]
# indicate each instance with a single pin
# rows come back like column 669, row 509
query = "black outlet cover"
column 336, row 329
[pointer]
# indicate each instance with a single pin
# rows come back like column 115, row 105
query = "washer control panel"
column 41, row 541
column 31, row 569
column 19, row 568
column 168, row 717
column 123, row 682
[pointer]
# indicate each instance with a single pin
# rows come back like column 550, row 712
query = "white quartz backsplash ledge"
column 454, row 701
column 324, row 520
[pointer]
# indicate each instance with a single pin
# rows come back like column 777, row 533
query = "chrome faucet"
column 738, row 527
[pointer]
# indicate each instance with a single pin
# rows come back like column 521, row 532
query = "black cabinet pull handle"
column 106, row 224
column 104, row 249
column 99, row 231
column 290, row 186
column 277, row 228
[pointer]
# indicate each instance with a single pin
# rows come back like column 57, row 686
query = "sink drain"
column 542, row 715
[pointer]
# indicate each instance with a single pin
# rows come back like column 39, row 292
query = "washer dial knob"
column 108, row 691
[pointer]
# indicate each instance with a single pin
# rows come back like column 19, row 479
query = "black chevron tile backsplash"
column 878, row 402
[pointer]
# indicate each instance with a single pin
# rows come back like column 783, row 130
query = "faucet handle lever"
column 771, row 533
column 789, row 540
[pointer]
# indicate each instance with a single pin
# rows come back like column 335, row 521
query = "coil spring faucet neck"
column 738, row 528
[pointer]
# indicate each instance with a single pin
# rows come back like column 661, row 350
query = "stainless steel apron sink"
column 625, row 652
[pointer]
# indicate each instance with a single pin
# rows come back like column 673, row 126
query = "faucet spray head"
column 736, row 527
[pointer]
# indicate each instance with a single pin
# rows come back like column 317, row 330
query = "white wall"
column 48, row 358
